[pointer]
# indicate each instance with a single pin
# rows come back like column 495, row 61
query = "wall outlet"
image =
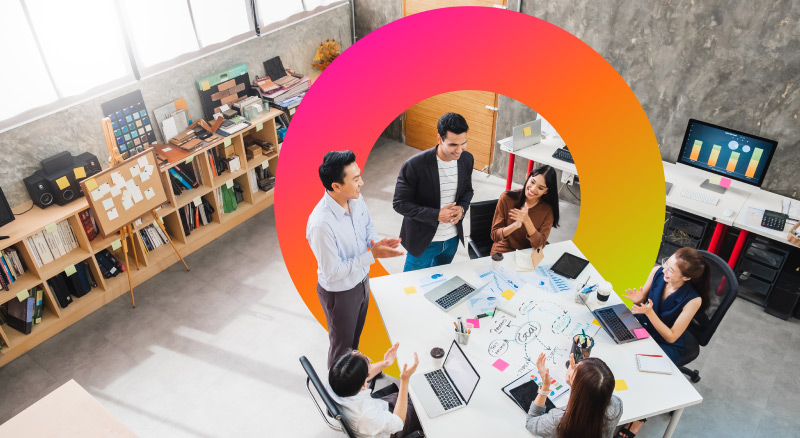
column 567, row 178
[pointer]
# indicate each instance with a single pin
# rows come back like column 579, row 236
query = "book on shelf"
column 153, row 237
column 89, row 225
column 109, row 265
column 38, row 306
column 20, row 314
column 47, row 247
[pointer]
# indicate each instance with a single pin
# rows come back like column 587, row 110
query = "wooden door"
column 478, row 107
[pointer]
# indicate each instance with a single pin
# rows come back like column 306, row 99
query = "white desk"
column 541, row 153
column 418, row 326
column 686, row 177
column 763, row 200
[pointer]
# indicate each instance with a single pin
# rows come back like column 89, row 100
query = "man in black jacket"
column 433, row 192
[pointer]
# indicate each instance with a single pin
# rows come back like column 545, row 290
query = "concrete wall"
column 734, row 64
column 77, row 129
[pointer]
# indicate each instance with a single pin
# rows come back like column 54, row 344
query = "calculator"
column 773, row 220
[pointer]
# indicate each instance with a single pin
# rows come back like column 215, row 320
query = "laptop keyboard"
column 454, row 296
column 614, row 324
column 441, row 387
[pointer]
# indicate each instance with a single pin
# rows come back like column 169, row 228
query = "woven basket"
column 794, row 240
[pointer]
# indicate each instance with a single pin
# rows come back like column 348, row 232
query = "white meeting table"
column 419, row 326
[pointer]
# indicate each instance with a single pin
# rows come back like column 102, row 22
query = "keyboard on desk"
column 700, row 196
column 455, row 296
column 563, row 154
column 613, row 324
column 443, row 390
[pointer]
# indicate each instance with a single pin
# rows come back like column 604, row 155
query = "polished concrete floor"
column 214, row 352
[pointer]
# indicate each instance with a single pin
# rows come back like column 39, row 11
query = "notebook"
column 654, row 364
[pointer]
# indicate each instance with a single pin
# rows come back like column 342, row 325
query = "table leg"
column 716, row 238
column 673, row 423
column 510, row 170
column 530, row 168
column 737, row 249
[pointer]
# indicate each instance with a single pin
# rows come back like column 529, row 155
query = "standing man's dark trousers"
column 345, row 313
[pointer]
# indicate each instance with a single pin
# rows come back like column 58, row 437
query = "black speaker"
column 89, row 162
column 6, row 215
column 70, row 190
column 39, row 190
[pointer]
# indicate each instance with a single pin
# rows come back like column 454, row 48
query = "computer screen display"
column 727, row 152
column 461, row 372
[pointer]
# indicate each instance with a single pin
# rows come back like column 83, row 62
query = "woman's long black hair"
column 551, row 197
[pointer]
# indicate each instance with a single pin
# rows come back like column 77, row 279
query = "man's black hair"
column 348, row 374
column 451, row 122
column 332, row 168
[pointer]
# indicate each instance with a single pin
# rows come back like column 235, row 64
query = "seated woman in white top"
column 392, row 415
column 592, row 410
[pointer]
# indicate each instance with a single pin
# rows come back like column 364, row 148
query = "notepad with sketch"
column 654, row 364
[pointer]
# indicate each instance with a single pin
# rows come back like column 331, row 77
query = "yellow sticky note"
column 62, row 182
column 115, row 245
column 91, row 184
column 22, row 295
column 714, row 179
column 79, row 172
column 51, row 228
column 527, row 131
column 620, row 385
column 508, row 294
column 204, row 85
column 411, row 290
column 259, row 126
column 190, row 159
column 227, row 142
column 594, row 321
column 69, row 270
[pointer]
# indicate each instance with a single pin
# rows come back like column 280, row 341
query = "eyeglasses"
column 667, row 269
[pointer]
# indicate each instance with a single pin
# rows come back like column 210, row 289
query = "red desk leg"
column 737, row 249
column 530, row 168
column 716, row 238
column 510, row 170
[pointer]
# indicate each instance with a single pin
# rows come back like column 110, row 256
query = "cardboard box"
column 253, row 151
column 225, row 151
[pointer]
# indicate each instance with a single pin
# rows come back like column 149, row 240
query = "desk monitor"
column 726, row 152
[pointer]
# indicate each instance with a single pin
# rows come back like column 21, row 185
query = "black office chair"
column 480, row 228
column 333, row 412
column 724, row 288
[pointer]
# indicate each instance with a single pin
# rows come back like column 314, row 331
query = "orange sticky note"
column 508, row 294
column 594, row 321
column 411, row 290
column 620, row 385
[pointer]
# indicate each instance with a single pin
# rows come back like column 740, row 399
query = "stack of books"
column 48, row 246
column 195, row 215
column 284, row 93
column 153, row 237
column 185, row 176
column 11, row 267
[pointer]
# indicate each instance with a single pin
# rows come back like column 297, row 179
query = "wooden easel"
column 127, row 231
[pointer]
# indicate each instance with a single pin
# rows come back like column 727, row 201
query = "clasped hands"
column 451, row 214
column 520, row 217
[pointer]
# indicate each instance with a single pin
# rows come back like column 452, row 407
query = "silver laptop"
column 527, row 135
column 448, row 388
column 617, row 320
column 451, row 293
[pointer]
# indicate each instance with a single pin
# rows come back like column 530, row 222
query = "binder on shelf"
column 58, row 285
column 20, row 314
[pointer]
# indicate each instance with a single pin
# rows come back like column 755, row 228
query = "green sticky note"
column 190, row 159
column 50, row 229
column 69, row 270
column 115, row 245
column 259, row 126
column 227, row 142
column 22, row 295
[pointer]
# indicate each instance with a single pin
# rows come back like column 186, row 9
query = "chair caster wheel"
column 695, row 377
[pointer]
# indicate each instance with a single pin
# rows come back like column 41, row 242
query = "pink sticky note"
column 641, row 333
column 475, row 323
column 500, row 364
column 725, row 182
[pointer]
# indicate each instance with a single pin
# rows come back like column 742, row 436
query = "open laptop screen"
column 461, row 372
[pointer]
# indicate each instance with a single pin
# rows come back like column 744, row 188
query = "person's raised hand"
column 643, row 309
column 407, row 372
column 386, row 248
column 544, row 372
column 391, row 354
column 635, row 295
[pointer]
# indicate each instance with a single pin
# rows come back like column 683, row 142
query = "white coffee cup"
column 604, row 291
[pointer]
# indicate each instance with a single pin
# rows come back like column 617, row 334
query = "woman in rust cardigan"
column 523, row 218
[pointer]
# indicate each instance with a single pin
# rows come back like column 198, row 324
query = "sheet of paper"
column 135, row 170
column 142, row 161
column 476, row 323
column 754, row 216
column 145, row 175
column 169, row 128
column 522, row 260
column 105, row 188
column 108, row 204
column 115, row 190
column 136, row 194
column 112, row 214
column 411, row 290
column 97, row 194
column 149, row 193
column 166, row 149
column 127, row 204
column 116, row 178
column 126, row 195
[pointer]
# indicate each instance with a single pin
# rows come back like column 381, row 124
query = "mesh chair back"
column 724, row 288
column 332, row 407
column 480, row 223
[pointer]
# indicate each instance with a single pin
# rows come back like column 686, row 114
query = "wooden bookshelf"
column 55, row 318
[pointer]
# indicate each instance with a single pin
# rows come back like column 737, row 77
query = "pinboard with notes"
column 121, row 194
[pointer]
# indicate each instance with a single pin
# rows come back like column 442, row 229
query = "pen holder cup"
column 463, row 338
column 581, row 347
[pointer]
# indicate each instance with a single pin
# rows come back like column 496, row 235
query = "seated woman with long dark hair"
column 523, row 218
column 592, row 410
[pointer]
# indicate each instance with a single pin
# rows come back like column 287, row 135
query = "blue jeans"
column 437, row 253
